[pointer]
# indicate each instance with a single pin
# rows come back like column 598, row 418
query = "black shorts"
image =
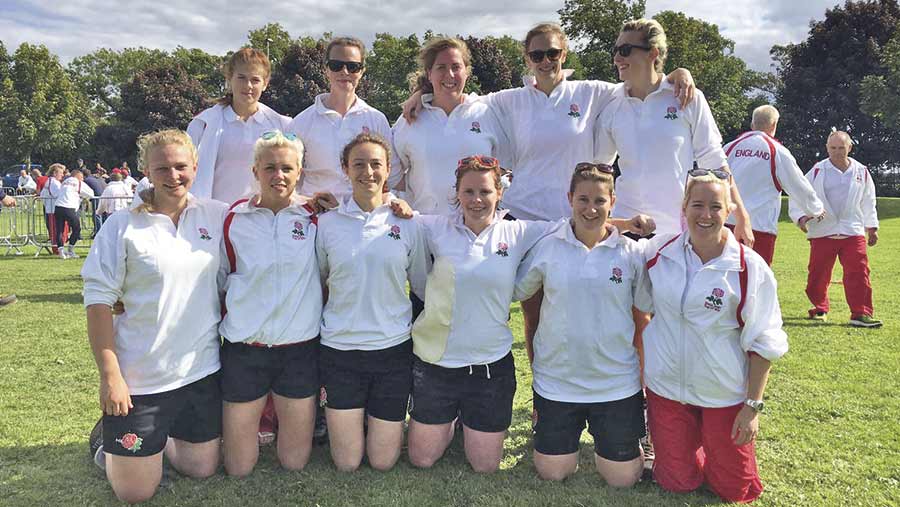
column 376, row 380
column 617, row 426
column 635, row 237
column 249, row 372
column 481, row 395
column 192, row 413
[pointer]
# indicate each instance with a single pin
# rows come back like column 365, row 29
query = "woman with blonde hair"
column 225, row 133
column 708, row 349
column 159, row 360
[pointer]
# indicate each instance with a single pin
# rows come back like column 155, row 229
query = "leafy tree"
column 272, row 39
column 880, row 95
column 392, row 60
column 512, row 52
column 42, row 113
column 296, row 82
column 593, row 26
column 102, row 73
column 822, row 78
column 203, row 67
column 490, row 71
column 158, row 97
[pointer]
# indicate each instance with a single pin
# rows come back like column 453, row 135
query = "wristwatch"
column 756, row 405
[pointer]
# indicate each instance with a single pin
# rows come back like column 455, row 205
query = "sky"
column 77, row 27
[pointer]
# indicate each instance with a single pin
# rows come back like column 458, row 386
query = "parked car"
column 11, row 174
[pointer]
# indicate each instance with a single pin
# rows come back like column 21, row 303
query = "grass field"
column 830, row 434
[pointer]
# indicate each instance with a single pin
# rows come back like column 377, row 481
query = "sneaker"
column 265, row 437
column 865, row 321
column 63, row 254
column 8, row 299
column 95, row 445
column 70, row 253
column 320, row 433
column 818, row 315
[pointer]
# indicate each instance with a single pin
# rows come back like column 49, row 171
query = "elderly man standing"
column 762, row 168
column 850, row 223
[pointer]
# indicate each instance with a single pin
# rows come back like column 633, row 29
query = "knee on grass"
column 135, row 493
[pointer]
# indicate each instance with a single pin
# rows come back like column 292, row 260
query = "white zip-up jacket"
column 273, row 295
column 365, row 260
column 583, row 350
column 695, row 349
column 762, row 168
column 657, row 144
column 470, row 288
column 49, row 194
column 857, row 214
column 169, row 280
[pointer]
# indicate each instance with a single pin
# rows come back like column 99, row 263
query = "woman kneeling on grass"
column 717, row 326
column 366, row 256
column 158, row 362
column 274, row 307
column 585, row 366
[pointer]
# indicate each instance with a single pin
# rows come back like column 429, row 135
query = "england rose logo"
column 204, row 234
column 616, row 275
column 395, row 232
column 297, row 232
column 476, row 127
column 130, row 442
column 671, row 113
column 714, row 300
column 502, row 249
column 365, row 130
column 573, row 111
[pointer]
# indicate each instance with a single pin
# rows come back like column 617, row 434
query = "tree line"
column 845, row 75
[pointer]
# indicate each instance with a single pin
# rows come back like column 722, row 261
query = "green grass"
column 829, row 435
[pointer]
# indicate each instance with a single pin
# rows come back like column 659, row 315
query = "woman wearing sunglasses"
column 225, row 133
column 708, row 349
column 273, row 308
column 335, row 119
column 657, row 141
column 586, row 370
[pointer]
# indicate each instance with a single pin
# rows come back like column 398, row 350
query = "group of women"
column 313, row 306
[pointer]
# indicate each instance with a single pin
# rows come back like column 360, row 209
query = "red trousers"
column 763, row 244
column 693, row 444
column 852, row 253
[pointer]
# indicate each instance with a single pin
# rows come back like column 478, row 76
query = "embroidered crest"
column 365, row 130
column 476, row 127
column 131, row 442
column 714, row 300
column 502, row 250
column 671, row 113
column 395, row 232
column 297, row 232
column 573, row 111
column 204, row 234
column 323, row 397
column 616, row 275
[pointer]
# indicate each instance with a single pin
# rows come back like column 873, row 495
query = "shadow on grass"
column 73, row 298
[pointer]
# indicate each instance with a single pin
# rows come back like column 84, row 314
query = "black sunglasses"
column 338, row 65
column 552, row 54
column 718, row 173
column 625, row 49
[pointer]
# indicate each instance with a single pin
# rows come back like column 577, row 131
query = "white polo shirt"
column 470, row 288
column 550, row 135
column 274, row 295
column 657, row 145
column 848, row 197
column 168, row 278
column 365, row 260
column 583, row 347
column 429, row 150
column 695, row 350
column 71, row 192
column 324, row 133
column 115, row 196
column 762, row 167
column 49, row 194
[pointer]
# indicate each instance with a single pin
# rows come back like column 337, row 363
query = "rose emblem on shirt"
column 476, row 127
column 395, row 232
column 131, row 442
column 297, row 232
column 714, row 300
column 365, row 130
column 502, row 249
column 204, row 234
column 671, row 113
column 616, row 275
column 573, row 111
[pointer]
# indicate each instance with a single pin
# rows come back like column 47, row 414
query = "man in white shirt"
column 850, row 224
column 117, row 195
column 762, row 168
column 26, row 183
column 73, row 190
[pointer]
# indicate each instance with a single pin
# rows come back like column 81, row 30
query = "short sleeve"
column 104, row 268
column 530, row 275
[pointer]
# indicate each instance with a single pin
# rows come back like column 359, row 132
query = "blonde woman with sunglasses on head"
column 708, row 349
column 336, row 118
